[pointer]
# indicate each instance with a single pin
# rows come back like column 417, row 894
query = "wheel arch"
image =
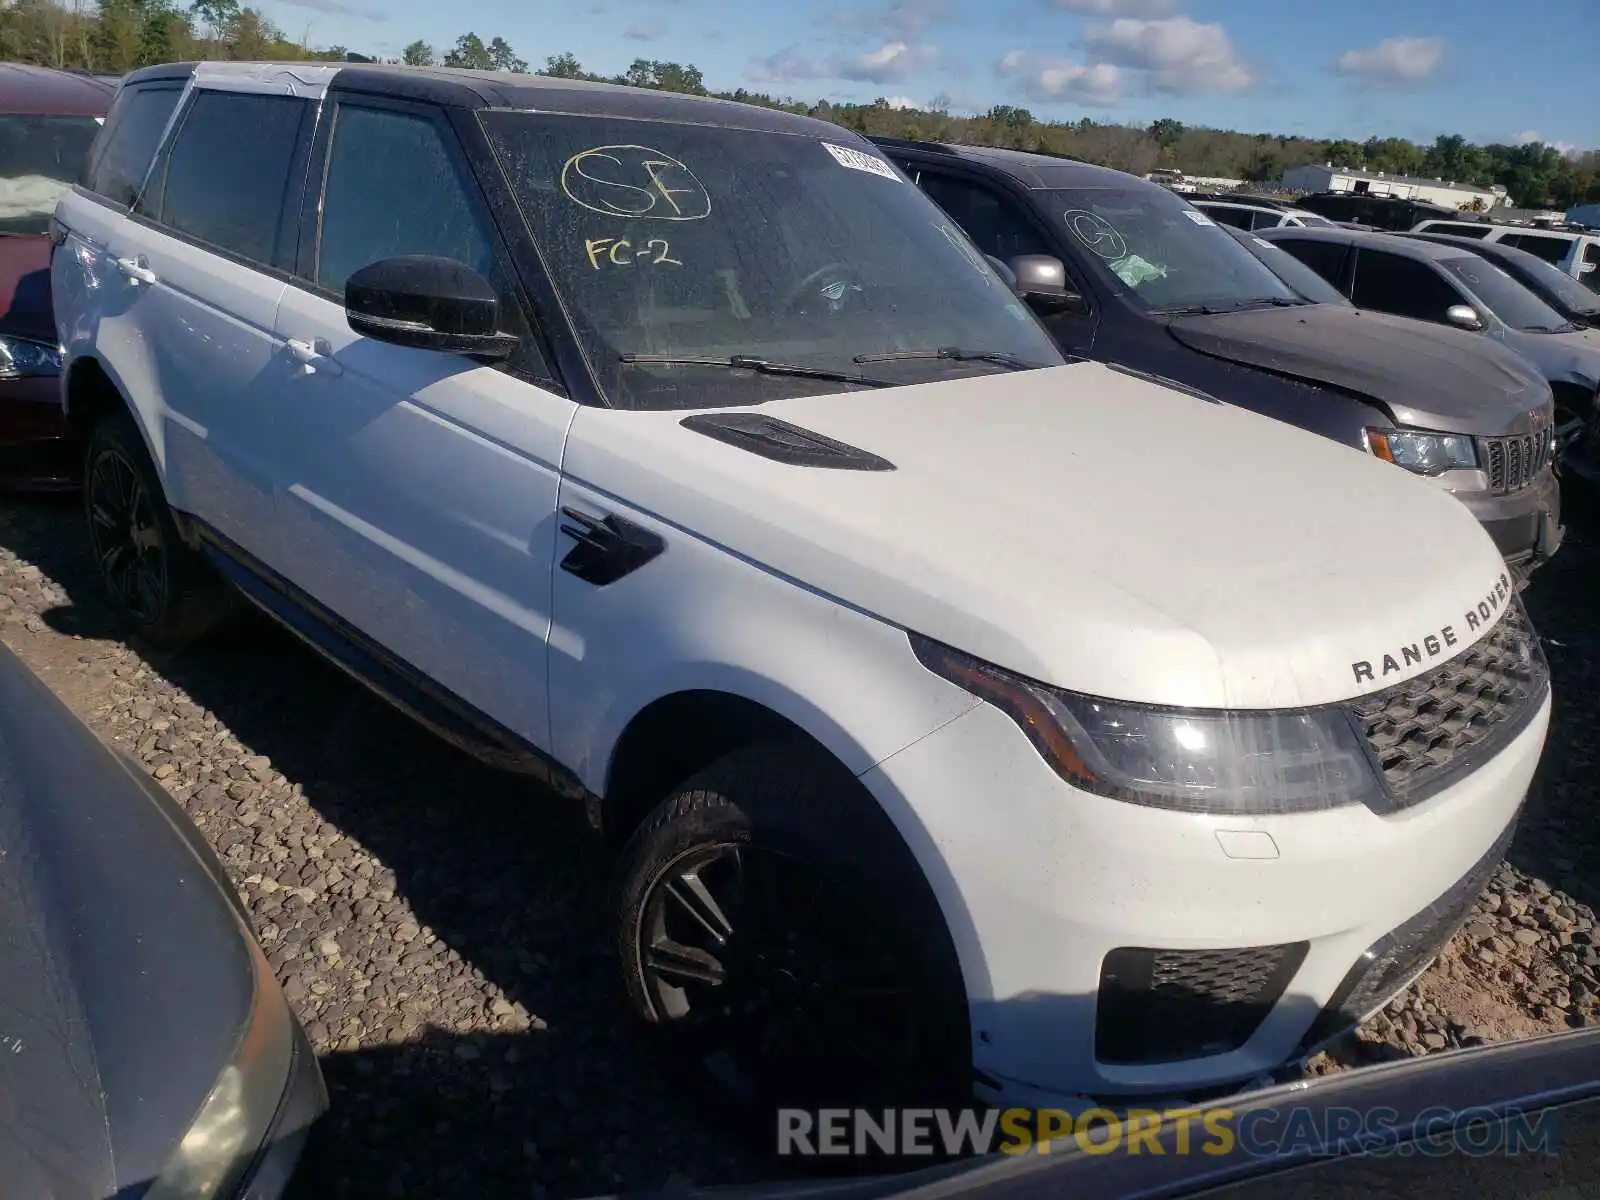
column 91, row 392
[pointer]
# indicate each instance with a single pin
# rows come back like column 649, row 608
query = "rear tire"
column 164, row 590
column 774, row 926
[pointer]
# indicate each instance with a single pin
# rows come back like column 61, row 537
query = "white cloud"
column 647, row 31
column 1048, row 80
column 1529, row 136
column 901, row 102
column 1394, row 60
column 891, row 62
column 1120, row 8
column 1178, row 54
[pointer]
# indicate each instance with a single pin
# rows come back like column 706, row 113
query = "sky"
column 1486, row 69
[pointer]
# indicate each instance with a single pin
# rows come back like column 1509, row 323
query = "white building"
column 1329, row 178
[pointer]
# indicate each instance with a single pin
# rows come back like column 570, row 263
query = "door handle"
column 136, row 270
column 315, row 355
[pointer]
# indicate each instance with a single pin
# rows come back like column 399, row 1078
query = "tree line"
column 115, row 36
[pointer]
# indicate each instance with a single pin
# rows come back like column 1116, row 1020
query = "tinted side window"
column 1551, row 249
column 1389, row 283
column 1239, row 218
column 994, row 223
column 121, row 156
column 1325, row 258
column 393, row 188
column 229, row 176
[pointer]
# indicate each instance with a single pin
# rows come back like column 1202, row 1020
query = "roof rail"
column 911, row 144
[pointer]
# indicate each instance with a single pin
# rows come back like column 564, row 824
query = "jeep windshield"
column 683, row 251
column 40, row 157
column 1166, row 256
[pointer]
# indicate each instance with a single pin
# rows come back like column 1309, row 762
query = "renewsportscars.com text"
column 841, row 1132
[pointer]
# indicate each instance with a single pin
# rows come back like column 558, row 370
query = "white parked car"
column 1252, row 213
column 969, row 719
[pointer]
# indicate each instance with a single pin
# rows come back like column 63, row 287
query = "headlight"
column 1424, row 453
column 21, row 358
column 232, row 1123
column 1195, row 761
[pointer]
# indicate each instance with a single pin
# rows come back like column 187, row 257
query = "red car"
column 47, row 121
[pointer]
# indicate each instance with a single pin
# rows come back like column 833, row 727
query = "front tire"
column 164, row 591
column 773, row 924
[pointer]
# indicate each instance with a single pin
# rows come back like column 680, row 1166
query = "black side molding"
column 783, row 442
column 608, row 547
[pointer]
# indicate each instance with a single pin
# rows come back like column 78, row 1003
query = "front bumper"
column 1050, row 893
column 37, row 449
column 1525, row 524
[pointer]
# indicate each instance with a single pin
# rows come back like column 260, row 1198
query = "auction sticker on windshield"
column 1198, row 217
column 857, row 161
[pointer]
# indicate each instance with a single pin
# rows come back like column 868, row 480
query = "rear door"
column 211, row 235
column 417, row 490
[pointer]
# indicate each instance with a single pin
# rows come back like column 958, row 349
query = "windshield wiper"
column 746, row 362
column 955, row 353
column 1212, row 310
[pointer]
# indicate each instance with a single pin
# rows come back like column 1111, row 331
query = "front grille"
column 1515, row 461
column 1429, row 731
column 1399, row 956
column 1166, row 1005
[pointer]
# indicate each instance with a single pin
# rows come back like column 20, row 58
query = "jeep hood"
column 1427, row 376
column 1082, row 527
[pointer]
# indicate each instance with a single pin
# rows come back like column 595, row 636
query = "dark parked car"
column 1126, row 272
column 1379, row 212
column 1455, row 285
column 1541, row 277
column 1514, row 1121
column 145, row 1047
column 1306, row 282
column 47, row 121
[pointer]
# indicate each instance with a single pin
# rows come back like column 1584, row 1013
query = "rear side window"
column 121, row 156
column 1239, row 218
column 1551, row 249
column 1389, row 283
column 1454, row 228
column 393, row 189
column 1325, row 258
column 229, row 176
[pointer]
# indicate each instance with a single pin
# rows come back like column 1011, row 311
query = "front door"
column 417, row 494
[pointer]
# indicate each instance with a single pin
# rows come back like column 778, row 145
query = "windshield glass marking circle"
column 662, row 188
column 1096, row 233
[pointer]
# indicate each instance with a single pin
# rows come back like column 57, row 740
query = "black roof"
column 1394, row 243
column 1030, row 169
column 1240, row 198
column 540, row 93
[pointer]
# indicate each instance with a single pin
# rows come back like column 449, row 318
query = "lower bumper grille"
column 1407, row 951
column 1167, row 1005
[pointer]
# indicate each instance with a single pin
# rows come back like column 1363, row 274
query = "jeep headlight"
column 1238, row 762
column 231, row 1125
column 1424, row 453
column 23, row 358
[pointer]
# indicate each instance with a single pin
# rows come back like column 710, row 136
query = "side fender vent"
column 783, row 442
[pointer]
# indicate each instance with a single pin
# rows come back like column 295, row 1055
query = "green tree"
column 664, row 76
column 215, row 15
column 563, row 66
column 469, row 52
column 1344, row 153
column 503, row 58
column 1167, row 132
column 418, row 54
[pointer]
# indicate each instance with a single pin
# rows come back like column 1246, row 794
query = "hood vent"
column 783, row 442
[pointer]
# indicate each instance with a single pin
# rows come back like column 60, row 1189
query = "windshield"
column 692, row 241
column 1291, row 270
column 1551, row 280
column 1504, row 296
column 40, row 157
column 1162, row 252
column 1311, row 219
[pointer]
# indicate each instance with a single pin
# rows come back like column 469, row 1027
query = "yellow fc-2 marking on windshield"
column 620, row 252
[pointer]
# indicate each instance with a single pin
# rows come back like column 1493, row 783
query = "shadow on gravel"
column 1558, row 841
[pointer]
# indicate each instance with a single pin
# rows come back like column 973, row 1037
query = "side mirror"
column 1463, row 315
column 1042, row 282
column 427, row 303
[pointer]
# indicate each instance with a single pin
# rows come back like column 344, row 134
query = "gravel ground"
column 436, row 925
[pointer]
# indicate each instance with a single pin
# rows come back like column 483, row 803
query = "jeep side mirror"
column 1463, row 315
column 427, row 303
column 1042, row 282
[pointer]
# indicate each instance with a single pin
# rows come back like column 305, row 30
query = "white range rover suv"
column 968, row 719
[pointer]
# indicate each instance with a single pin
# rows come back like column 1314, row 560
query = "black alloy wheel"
column 125, row 531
